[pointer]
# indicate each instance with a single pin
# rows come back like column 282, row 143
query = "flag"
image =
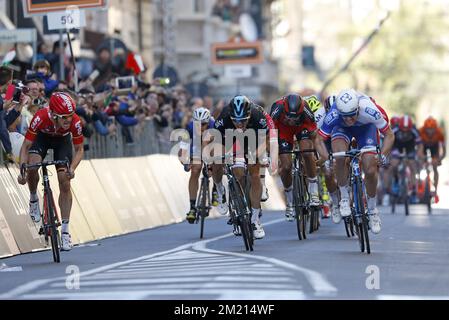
column 134, row 62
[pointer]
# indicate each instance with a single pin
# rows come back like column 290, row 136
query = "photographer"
column 12, row 101
column 5, row 81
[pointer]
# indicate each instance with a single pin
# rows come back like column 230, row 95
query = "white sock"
column 334, row 196
column 289, row 195
column 255, row 215
column 65, row 226
column 33, row 197
column 372, row 203
column 344, row 192
column 220, row 188
column 313, row 185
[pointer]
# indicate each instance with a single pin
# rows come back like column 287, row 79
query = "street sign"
column 238, row 71
column 70, row 19
column 237, row 53
column 43, row 7
column 18, row 35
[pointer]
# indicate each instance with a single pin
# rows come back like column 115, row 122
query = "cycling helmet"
column 394, row 121
column 329, row 102
column 202, row 115
column 348, row 103
column 431, row 123
column 293, row 106
column 313, row 102
column 406, row 123
column 62, row 104
column 240, row 108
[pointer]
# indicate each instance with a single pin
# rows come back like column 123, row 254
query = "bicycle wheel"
column 53, row 231
column 365, row 234
column 300, row 226
column 243, row 217
column 428, row 196
column 203, row 206
column 363, row 221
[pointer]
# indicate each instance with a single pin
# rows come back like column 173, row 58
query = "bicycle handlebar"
column 353, row 153
column 299, row 151
column 44, row 164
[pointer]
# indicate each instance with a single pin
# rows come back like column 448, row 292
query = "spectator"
column 43, row 72
column 5, row 81
column 34, row 88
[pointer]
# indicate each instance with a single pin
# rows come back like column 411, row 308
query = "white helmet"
column 348, row 102
column 202, row 115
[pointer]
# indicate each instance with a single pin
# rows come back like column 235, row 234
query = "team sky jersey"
column 41, row 122
column 257, row 121
column 369, row 113
column 406, row 137
column 436, row 138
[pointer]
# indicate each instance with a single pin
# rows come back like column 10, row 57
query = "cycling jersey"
column 369, row 113
column 301, row 129
column 42, row 123
column 406, row 139
column 257, row 121
column 435, row 139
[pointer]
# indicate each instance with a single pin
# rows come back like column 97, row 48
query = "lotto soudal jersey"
column 42, row 122
column 369, row 114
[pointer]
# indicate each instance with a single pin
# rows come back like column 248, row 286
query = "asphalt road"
column 409, row 259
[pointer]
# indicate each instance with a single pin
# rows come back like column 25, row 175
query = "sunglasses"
column 61, row 117
column 240, row 121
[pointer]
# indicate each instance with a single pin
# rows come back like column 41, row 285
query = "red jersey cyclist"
column 59, row 128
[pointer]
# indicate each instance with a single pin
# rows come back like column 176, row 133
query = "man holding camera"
column 12, row 100
column 57, row 128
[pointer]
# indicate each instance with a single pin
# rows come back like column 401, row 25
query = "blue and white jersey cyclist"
column 201, row 122
column 355, row 115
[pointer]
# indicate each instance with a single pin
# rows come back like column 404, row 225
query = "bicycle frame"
column 203, row 201
column 50, row 218
column 359, row 211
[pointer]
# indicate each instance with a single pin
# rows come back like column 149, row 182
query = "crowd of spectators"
column 104, row 108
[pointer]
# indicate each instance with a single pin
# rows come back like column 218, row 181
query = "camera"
column 124, row 84
column 15, row 91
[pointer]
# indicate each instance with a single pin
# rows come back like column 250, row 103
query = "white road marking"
column 174, row 259
column 405, row 297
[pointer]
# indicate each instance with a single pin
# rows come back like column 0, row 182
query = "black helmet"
column 240, row 108
column 294, row 105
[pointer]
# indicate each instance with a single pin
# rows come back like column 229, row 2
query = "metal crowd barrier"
column 146, row 140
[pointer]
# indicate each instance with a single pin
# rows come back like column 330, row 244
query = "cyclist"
column 406, row 137
column 432, row 137
column 355, row 115
column 59, row 128
column 201, row 117
column 293, row 118
column 331, row 181
column 241, row 115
